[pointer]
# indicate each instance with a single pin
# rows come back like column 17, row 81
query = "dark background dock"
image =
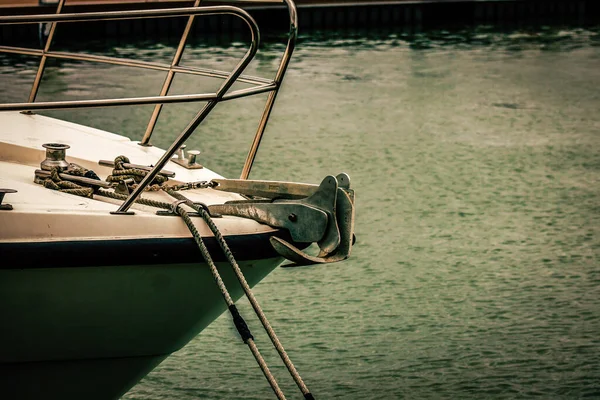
column 413, row 15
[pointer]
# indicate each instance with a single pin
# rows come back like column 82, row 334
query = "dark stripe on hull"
column 147, row 251
column 98, row 379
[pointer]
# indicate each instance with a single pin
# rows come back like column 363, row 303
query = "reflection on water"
column 475, row 156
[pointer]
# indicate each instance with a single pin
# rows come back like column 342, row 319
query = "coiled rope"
column 135, row 176
column 55, row 182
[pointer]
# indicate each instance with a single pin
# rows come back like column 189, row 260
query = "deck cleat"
column 6, row 206
column 187, row 160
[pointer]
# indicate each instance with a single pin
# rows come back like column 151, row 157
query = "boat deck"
column 20, row 156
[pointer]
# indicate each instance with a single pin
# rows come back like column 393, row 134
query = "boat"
column 110, row 249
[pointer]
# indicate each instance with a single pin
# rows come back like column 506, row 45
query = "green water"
column 476, row 161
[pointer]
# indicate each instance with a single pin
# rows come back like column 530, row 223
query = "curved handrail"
column 261, row 85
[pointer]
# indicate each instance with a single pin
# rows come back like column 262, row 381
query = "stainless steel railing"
column 259, row 85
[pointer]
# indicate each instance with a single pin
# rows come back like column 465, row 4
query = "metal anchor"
column 325, row 215
column 345, row 218
column 325, row 200
column 311, row 219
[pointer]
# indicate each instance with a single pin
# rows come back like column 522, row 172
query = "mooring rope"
column 257, row 309
column 238, row 320
column 140, row 200
column 136, row 175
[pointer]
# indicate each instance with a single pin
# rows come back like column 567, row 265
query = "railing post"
column 285, row 60
column 169, row 79
column 42, row 66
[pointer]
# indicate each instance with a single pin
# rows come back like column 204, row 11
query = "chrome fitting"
column 187, row 160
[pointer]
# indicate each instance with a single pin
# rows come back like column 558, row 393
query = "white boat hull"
column 94, row 332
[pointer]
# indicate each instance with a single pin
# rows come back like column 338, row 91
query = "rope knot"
column 136, row 175
column 54, row 175
column 119, row 161
column 55, row 182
